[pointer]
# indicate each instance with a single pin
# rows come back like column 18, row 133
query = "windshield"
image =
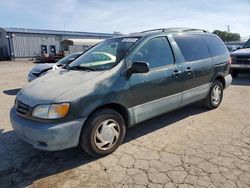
column 105, row 55
column 247, row 44
column 68, row 58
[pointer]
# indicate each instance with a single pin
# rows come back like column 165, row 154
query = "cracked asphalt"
column 189, row 147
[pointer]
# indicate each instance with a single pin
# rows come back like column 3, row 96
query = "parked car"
column 42, row 69
column 92, row 101
column 233, row 47
column 241, row 60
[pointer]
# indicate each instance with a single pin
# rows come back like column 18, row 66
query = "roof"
column 57, row 32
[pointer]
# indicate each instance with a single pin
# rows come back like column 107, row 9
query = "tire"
column 103, row 126
column 214, row 96
column 234, row 73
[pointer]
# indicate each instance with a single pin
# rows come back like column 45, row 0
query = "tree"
column 227, row 36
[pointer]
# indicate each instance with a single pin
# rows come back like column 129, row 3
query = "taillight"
column 229, row 61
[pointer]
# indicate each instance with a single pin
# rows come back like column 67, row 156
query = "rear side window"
column 215, row 45
column 193, row 47
column 157, row 52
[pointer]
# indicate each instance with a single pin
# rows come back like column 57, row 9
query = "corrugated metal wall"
column 3, row 45
column 27, row 45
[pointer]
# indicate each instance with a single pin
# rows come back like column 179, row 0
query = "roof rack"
column 153, row 30
column 174, row 30
column 203, row 30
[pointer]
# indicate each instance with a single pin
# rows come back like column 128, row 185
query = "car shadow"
column 11, row 91
column 26, row 164
column 242, row 79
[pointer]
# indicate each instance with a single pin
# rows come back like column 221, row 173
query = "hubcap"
column 216, row 94
column 107, row 134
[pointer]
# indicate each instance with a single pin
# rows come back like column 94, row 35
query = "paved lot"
column 185, row 148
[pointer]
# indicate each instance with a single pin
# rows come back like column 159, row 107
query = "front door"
column 159, row 90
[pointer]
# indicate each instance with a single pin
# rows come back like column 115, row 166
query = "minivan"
column 118, row 83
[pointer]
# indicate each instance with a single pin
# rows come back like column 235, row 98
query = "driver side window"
column 157, row 52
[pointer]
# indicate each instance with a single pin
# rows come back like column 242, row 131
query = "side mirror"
column 139, row 67
column 238, row 47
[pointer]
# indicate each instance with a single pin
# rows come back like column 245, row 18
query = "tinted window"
column 215, row 45
column 192, row 47
column 156, row 52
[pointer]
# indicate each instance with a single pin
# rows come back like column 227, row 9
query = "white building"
column 25, row 43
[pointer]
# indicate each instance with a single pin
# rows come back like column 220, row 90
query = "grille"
column 241, row 60
column 21, row 108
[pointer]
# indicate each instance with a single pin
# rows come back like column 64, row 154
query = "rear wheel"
column 214, row 96
column 102, row 133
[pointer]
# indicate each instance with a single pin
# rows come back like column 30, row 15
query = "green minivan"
column 118, row 83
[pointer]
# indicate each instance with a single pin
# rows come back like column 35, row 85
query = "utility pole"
column 228, row 28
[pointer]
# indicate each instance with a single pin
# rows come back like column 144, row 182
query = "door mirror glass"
column 139, row 67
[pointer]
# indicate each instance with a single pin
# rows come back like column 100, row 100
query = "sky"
column 126, row 16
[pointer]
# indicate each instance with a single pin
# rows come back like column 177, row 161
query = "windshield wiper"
column 78, row 67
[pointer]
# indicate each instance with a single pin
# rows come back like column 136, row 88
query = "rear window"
column 192, row 47
column 215, row 45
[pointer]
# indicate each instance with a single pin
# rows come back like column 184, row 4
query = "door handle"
column 176, row 73
column 188, row 70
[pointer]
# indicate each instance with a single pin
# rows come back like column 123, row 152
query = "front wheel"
column 102, row 133
column 214, row 96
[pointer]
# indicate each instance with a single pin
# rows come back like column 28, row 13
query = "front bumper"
column 228, row 80
column 240, row 66
column 50, row 137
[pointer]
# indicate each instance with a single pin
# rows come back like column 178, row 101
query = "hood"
column 244, row 51
column 40, row 67
column 47, row 88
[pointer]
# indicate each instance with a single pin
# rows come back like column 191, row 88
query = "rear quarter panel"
column 220, row 66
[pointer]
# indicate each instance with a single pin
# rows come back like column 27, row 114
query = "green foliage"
column 227, row 36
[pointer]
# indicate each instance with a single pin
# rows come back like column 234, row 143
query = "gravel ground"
column 189, row 147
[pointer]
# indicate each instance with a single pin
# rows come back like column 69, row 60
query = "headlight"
column 52, row 111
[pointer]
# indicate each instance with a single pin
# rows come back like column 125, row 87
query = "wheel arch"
column 221, row 79
column 116, row 107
